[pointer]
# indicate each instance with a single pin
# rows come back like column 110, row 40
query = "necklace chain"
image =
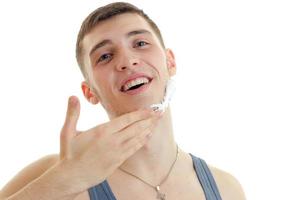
column 160, row 195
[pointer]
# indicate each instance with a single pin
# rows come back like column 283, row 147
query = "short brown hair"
column 105, row 13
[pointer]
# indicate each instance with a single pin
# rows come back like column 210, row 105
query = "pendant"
column 160, row 196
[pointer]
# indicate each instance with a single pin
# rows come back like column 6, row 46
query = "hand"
column 89, row 157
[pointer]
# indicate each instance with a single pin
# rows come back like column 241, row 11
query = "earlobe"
column 171, row 64
column 88, row 93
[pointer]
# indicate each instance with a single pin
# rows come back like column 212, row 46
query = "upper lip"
column 134, row 76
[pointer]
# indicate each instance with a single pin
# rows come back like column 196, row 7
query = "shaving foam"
column 169, row 91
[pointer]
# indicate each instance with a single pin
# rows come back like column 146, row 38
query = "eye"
column 140, row 44
column 104, row 57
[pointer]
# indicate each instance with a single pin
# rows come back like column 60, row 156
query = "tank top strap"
column 206, row 179
column 101, row 191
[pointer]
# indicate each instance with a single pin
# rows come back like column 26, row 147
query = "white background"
column 238, row 88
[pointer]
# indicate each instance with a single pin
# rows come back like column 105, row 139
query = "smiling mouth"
column 135, row 85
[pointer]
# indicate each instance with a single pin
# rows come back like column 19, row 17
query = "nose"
column 128, row 61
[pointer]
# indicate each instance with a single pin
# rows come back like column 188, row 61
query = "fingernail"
column 72, row 101
column 149, row 135
column 159, row 113
column 148, row 111
column 156, row 113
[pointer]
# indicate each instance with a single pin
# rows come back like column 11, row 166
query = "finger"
column 128, row 119
column 136, row 128
column 69, row 128
column 73, row 113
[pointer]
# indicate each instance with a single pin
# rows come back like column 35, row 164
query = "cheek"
column 157, row 59
column 105, row 80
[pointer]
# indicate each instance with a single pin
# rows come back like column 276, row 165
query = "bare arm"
column 39, row 180
column 76, row 169
column 29, row 173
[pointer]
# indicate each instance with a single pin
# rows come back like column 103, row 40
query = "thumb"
column 72, row 115
column 69, row 128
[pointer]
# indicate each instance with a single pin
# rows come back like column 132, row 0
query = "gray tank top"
column 102, row 191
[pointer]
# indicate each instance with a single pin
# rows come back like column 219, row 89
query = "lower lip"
column 138, row 90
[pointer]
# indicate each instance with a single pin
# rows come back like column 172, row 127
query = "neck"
column 157, row 155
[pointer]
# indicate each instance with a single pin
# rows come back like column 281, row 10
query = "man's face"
column 120, row 53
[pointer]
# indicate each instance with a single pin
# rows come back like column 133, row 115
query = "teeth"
column 135, row 82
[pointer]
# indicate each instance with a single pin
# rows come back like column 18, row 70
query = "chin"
column 135, row 102
column 129, row 107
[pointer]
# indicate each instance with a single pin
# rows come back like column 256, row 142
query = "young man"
column 133, row 156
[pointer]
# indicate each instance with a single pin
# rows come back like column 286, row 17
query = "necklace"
column 160, row 195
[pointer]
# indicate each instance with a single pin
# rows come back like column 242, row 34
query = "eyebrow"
column 106, row 41
column 136, row 32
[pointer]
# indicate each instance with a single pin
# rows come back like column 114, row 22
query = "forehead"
column 115, row 28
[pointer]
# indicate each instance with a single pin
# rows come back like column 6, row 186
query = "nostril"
column 123, row 68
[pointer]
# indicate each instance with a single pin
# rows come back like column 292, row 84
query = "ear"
column 171, row 64
column 89, row 94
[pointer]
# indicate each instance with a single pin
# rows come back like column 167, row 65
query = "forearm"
column 35, row 192
column 20, row 195
column 25, row 195
column 53, row 184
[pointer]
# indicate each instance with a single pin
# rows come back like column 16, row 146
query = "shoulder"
column 28, row 174
column 229, row 187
